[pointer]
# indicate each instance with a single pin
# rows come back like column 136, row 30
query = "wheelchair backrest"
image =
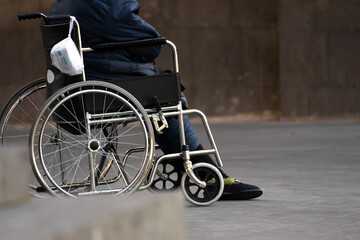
column 166, row 87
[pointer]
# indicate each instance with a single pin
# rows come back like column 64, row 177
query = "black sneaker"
column 236, row 190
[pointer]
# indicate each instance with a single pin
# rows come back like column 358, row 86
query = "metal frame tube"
column 169, row 43
column 91, row 157
column 175, row 55
column 80, row 46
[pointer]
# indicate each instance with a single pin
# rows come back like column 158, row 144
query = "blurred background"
column 246, row 59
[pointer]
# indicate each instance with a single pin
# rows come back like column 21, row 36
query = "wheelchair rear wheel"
column 19, row 113
column 84, row 132
column 17, row 117
column 214, row 185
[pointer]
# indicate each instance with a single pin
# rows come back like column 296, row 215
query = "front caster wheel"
column 214, row 185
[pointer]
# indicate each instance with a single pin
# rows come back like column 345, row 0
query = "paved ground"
column 310, row 174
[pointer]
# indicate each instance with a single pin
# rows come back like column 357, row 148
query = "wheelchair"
column 98, row 137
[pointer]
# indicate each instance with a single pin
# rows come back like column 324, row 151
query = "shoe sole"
column 245, row 195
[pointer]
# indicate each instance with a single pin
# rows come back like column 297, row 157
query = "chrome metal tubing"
column 112, row 120
column 181, row 125
column 190, row 172
column 80, row 46
column 84, row 50
column 99, row 192
column 91, row 157
column 208, row 132
column 148, row 111
column 169, row 43
column 189, row 169
column 110, row 117
column 175, row 55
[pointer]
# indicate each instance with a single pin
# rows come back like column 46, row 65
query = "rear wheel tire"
column 19, row 113
column 17, row 118
column 85, row 130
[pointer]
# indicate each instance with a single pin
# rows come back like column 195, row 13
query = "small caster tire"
column 214, row 185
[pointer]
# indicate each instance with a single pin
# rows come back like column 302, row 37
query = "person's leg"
column 169, row 140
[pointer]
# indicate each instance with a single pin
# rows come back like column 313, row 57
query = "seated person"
column 114, row 21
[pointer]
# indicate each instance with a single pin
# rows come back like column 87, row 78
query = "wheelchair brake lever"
column 159, row 117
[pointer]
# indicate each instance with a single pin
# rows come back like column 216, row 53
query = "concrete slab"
column 14, row 176
column 139, row 216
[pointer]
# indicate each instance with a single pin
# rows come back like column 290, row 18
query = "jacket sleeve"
column 124, row 24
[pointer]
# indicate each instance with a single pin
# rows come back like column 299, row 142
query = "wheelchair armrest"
column 129, row 44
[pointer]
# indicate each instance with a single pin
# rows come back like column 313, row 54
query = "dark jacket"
column 111, row 21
